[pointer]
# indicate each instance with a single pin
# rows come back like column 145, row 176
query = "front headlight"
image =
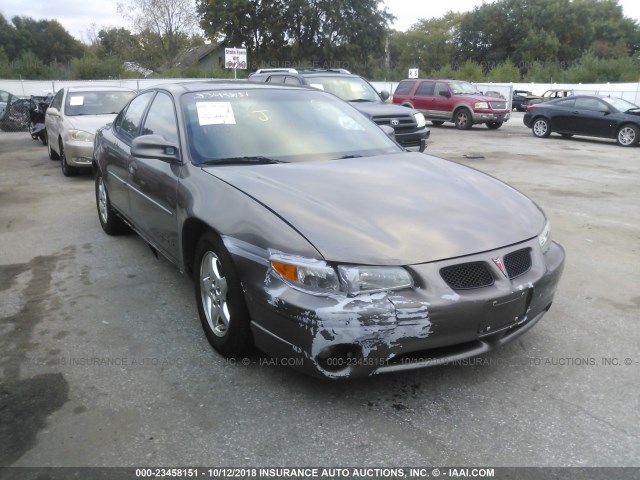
column 365, row 279
column 316, row 277
column 481, row 105
column 81, row 136
column 545, row 237
column 313, row 276
column 420, row 120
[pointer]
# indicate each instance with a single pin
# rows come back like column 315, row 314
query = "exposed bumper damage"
column 338, row 336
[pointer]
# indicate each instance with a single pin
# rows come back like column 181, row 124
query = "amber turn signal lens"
column 286, row 270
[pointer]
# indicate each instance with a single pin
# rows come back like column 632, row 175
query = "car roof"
column 179, row 88
column 98, row 89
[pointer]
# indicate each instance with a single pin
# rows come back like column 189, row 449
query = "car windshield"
column 463, row 88
column 95, row 103
column 620, row 104
column 277, row 125
column 351, row 89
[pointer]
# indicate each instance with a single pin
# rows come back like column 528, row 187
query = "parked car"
column 409, row 125
column 74, row 115
column 451, row 101
column 593, row 116
column 552, row 94
column 313, row 235
column 519, row 98
column 5, row 99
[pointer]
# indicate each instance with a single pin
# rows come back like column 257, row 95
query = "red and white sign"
column 235, row 58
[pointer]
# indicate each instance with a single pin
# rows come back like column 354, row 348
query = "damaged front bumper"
column 338, row 336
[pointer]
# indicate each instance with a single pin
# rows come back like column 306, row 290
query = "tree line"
column 508, row 40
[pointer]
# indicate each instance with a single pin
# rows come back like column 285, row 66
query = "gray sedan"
column 316, row 237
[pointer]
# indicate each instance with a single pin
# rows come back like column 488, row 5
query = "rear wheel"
column 628, row 136
column 494, row 125
column 221, row 305
column 541, row 127
column 462, row 119
column 67, row 170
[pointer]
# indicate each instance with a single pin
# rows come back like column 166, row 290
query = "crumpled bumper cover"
column 431, row 324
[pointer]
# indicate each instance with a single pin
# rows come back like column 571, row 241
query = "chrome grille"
column 404, row 122
column 498, row 105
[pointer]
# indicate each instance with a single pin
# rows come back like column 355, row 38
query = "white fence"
column 628, row 91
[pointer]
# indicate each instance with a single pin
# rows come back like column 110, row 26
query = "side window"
column 425, row 89
column 292, row 81
column 57, row 100
column 569, row 103
column 592, row 104
column 276, row 79
column 129, row 121
column 161, row 119
column 441, row 87
column 404, row 87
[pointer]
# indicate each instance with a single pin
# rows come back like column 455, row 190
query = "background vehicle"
column 15, row 117
column 519, row 100
column 312, row 235
column 74, row 115
column 37, row 110
column 589, row 115
column 409, row 125
column 552, row 94
column 451, row 101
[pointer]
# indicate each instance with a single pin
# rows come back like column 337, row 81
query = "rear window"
column 404, row 87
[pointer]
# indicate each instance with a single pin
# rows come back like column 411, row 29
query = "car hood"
column 89, row 123
column 398, row 209
column 372, row 109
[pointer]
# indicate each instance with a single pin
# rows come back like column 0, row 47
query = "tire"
column 220, row 299
column 52, row 154
column 628, row 135
column 67, row 170
column 35, row 137
column 462, row 119
column 494, row 125
column 437, row 123
column 541, row 128
column 109, row 221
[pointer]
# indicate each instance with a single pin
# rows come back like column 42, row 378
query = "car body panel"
column 398, row 209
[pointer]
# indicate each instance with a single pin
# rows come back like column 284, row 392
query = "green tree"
column 504, row 72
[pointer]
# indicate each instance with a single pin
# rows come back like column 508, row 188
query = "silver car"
column 74, row 116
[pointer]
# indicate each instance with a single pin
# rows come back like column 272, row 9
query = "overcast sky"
column 77, row 17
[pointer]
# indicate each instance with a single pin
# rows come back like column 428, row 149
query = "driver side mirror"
column 155, row 146
column 384, row 95
column 53, row 112
column 444, row 93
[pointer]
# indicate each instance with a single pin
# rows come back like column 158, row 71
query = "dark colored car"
column 409, row 125
column 15, row 117
column 314, row 236
column 519, row 100
column 589, row 115
column 451, row 101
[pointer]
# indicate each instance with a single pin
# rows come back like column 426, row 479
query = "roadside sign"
column 235, row 58
column 413, row 73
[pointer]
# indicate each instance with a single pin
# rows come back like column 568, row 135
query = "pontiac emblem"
column 500, row 265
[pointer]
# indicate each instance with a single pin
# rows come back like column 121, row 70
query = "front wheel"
column 494, row 125
column 541, row 128
column 463, row 120
column 221, row 305
column 52, row 154
column 628, row 136
column 109, row 221
column 67, row 170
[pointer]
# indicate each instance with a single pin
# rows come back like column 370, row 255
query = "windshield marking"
column 201, row 95
column 215, row 113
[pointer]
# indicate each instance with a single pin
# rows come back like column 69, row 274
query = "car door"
column 592, row 117
column 443, row 101
column 422, row 99
column 53, row 120
column 118, row 152
column 154, row 182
